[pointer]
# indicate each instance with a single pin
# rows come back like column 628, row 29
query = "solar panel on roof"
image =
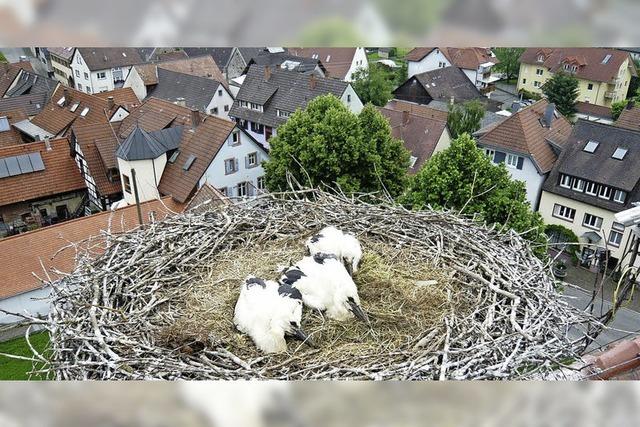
column 4, row 172
column 619, row 153
column 36, row 162
column 591, row 146
column 13, row 166
column 24, row 163
column 189, row 162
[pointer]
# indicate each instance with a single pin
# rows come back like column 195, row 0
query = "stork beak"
column 358, row 311
column 300, row 335
column 349, row 268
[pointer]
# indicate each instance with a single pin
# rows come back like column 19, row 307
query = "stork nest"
column 448, row 298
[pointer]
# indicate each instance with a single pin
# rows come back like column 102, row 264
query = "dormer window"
column 284, row 114
column 540, row 58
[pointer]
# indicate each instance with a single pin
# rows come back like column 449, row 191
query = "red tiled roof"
column 60, row 174
column 98, row 144
column 417, row 109
column 417, row 53
column 589, row 61
column 619, row 361
column 9, row 72
column 336, row 60
column 200, row 66
column 12, row 136
column 155, row 114
column 467, row 57
column 205, row 198
column 124, row 96
column 523, row 133
column 593, row 110
column 21, row 255
column 629, row 119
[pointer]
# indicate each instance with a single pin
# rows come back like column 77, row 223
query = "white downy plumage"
column 344, row 246
column 267, row 312
column 325, row 284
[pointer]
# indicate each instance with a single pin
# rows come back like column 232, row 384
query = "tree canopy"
column 562, row 90
column 509, row 61
column 465, row 118
column 616, row 108
column 373, row 84
column 464, row 179
column 328, row 144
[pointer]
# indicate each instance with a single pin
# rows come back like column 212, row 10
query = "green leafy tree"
column 328, row 144
column 509, row 61
column 401, row 73
column 464, row 179
column 616, row 108
column 465, row 118
column 562, row 90
column 372, row 85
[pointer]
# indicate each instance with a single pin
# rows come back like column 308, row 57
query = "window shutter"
column 236, row 164
column 246, row 162
column 520, row 162
column 499, row 157
column 226, row 166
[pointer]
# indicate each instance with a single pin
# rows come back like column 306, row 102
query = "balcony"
column 609, row 94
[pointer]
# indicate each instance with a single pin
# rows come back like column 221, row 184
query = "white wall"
column 30, row 302
column 96, row 84
column 359, row 61
column 471, row 74
column 355, row 105
column 119, row 115
column 215, row 173
column 428, row 63
column 134, row 81
column 148, row 174
column 220, row 101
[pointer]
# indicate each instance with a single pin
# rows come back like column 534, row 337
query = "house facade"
column 102, row 69
column 596, row 176
column 528, row 143
column 61, row 58
column 603, row 74
column 476, row 63
column 268, row 96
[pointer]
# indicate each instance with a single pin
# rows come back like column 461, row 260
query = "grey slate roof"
column 100, row 58
column 447, row 82
column 32, row 104
column 143, row 145
column 196, row 91
column 304, row 65
column 220, row 55
column 27, row 83
column 599, row 167
column 285, row 90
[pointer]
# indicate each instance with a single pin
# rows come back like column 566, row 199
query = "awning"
column 591, row 236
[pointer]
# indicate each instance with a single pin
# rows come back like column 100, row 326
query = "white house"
column 339, row 62
column 475, row 62
column 102, row 69
column 268, row 96
column 528, row 143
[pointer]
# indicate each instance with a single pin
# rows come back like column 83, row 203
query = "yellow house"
column 603, row 74
column 596, row 176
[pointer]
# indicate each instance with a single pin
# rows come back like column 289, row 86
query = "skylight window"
column 174, row 156
column 84, row 112
column 619, row 153
column 4, row 124
column 189, row 162
column 74, row 107
column 606, row 59
column 61, row 101
column 591, row 146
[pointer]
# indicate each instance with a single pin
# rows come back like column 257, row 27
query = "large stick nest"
column 448, row 298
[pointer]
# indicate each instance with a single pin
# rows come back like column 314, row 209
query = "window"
column 539, row 71
column 214, row 111
column 84, row 112
column 524, row 81
column 619, row 153
column 126, row 182
column 252, row 160
column 592, row 221
column 230, row 166
column 615, row 238
column 78, row 60
column 490, row 153
column 441, row 65
column 564, row 212
column 223, row 190
column 243, row 189
column 244, row 104
column 226, row 107
column 88, row 89
column 282, row 113
column 511, row 161
column 257, row 127
column 605, row 192
column 79, row 86
column 565, row 181
column 86, row 76
column 256, row 107
column 619, row 196
column 219, row 92
column 578, row 185
column 77, row 73
column 540, row 58
column 4, row 124
column 536, row 84
column 174, row 156
column 261, row 183
column 591, row 189
column 102, row 75
column 591, row 146
column 590, row 86
column 329, row 59
column 348, row 97
column 412, row 161
column 235, row 138
column 190, row 160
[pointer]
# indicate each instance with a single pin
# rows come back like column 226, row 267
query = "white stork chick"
column 344, row 246
column 326, row 285
column 267, row 312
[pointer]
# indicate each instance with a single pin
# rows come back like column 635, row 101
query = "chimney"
column 67, row 96
column 548, row 114
column 181, row 102
column 267, row 73
column 405, row 117
column 110, row 103
column 195, row 118
column 630, row 104
column 312, row 81
column 47, row 143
